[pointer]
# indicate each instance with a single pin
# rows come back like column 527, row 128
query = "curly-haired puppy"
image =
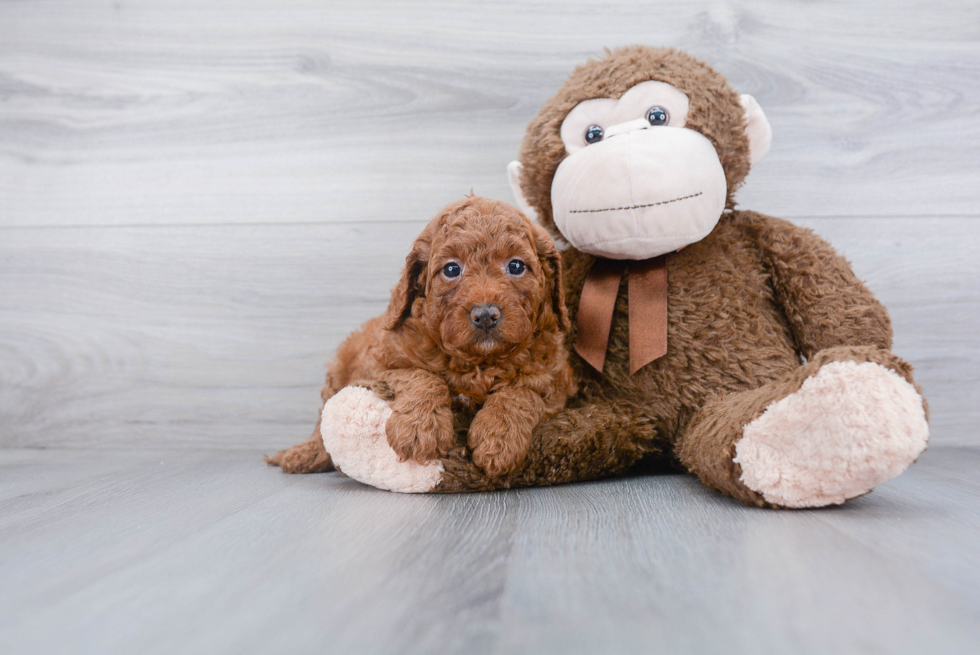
column 476, row 324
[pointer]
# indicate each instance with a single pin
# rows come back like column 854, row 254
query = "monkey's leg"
column 832, row 430
column 597, row 440
column 582, row 443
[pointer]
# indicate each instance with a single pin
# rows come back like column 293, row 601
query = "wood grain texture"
column 197, row 203
column 139, row 335
column 209, row 552
column 165, row 112
column 217, row 335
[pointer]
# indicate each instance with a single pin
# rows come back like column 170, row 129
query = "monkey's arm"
column 825, row 303
column 421, row 423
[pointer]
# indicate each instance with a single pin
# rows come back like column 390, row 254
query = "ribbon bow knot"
column 647, row 310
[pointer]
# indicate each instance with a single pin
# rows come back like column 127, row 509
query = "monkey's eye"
column 516, row 267
column 593, row 134
column 657, row 115
column 452, row 269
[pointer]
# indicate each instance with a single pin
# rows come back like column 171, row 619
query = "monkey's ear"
column 514, row 170
column 409, row 287
column 550, row 260
column 756, row 128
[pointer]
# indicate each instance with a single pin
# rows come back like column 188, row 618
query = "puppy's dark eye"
column 593, row 134
column 516, row 267
column 452, row 269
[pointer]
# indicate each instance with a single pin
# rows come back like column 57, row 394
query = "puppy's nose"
column 485, row 316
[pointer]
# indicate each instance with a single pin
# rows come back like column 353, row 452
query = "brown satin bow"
column 647, row 310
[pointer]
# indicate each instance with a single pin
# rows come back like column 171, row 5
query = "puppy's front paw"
column 499, row 446
column 422, row 434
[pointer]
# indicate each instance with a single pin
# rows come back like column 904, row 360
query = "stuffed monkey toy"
column 737, row 346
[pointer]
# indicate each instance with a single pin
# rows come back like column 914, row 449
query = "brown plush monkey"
column 736, row 345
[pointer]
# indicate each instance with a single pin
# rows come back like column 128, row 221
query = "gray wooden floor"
column 198, row 201
column 124, row 551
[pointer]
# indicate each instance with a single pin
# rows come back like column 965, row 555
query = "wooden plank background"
column 198, row 203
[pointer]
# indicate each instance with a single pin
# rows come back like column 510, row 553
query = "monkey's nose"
column 628, row 126
column 485, row 316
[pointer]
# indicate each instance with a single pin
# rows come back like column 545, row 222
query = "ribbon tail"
column 648, row 311
column 595, row 311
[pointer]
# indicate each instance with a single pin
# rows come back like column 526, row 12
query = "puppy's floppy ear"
column 550, row 260
column 411, row 285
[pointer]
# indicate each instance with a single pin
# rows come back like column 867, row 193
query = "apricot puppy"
column 476, row 325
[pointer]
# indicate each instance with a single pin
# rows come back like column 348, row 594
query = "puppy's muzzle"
column 485, row 317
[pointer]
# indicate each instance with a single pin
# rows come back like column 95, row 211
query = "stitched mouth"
column 649, row 204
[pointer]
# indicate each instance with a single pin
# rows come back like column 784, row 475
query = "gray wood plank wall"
column 198, row 202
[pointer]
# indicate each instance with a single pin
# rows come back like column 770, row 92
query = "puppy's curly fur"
column 476, row 326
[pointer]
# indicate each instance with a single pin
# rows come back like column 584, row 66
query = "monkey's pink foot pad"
column 848, row 428
column 353, row 430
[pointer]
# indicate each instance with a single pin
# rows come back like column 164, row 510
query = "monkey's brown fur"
column 755, row 308
column 431, row 361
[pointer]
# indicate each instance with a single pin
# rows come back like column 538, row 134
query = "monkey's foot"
column 353, row 431
column 847, row 428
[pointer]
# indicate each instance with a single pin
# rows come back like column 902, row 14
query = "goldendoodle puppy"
column 476, row 326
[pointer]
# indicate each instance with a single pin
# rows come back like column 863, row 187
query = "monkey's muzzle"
column 639, row 193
